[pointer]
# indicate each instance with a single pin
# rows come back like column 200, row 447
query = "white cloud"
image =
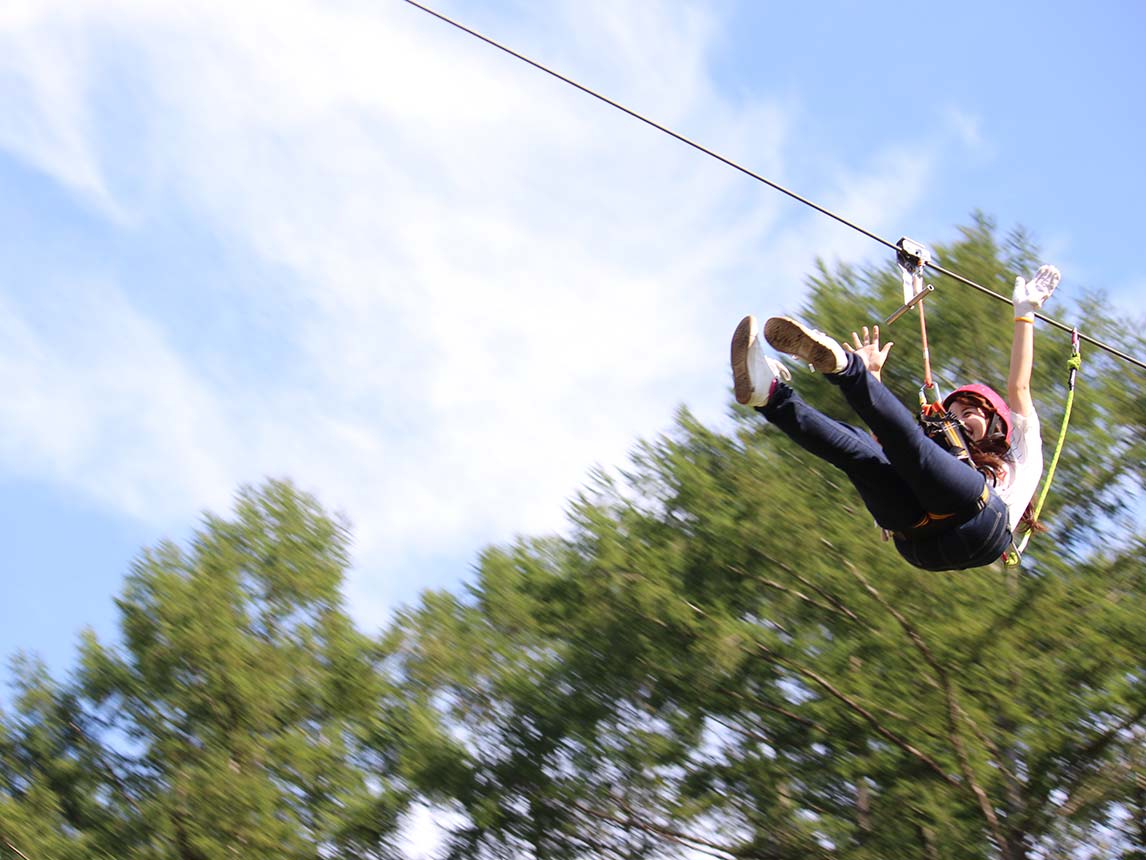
column 494, row 282
column 95, row 399
column 46, row 120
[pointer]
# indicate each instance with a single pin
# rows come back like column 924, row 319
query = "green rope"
column 1074, row 363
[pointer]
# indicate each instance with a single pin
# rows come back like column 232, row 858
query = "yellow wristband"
column 1030, row 320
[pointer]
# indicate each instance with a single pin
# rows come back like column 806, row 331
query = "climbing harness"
column 930, row 525
column 1014, row 556
column 774, row 185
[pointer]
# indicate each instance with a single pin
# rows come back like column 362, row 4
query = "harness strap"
column 931, row 524
column 942, row 428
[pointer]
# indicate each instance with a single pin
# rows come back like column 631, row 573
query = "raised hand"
column 867, row 347
column 1030, row 295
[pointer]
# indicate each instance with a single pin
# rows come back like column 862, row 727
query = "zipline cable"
column 1062, row 326
column 654, row 124
column 774, row 185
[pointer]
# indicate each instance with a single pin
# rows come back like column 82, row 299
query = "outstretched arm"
column 1022, row 359
column 1028, row 297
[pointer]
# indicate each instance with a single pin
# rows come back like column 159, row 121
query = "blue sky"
column 341, row 242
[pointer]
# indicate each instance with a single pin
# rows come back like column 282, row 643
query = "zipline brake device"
column 911, row 259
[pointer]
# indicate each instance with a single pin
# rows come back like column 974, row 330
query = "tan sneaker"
column 816, row 348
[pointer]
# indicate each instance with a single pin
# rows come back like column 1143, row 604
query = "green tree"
column 720, row 658
column 48, row 781
column 243, row 714
column 723, row 657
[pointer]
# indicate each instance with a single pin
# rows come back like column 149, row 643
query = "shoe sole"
column 741, row 341
column 789, row 337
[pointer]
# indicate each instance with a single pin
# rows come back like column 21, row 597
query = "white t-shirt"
column 1023, row 466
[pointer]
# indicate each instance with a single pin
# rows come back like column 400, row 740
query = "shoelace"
column 779, row 369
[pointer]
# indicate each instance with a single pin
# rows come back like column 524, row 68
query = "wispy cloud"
column 486, row 282
column 46, row 120
column 96, row 399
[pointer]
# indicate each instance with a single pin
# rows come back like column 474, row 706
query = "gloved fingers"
column 1045, row 281
column 1033, row 293
column 1020, row 291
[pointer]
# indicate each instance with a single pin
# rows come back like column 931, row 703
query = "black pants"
column 903, row 476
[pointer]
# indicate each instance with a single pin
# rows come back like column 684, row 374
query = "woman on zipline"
column 943, row 513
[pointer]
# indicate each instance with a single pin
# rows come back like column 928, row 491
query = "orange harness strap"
column 931, row 524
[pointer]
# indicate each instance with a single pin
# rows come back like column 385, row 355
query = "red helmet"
column 1001, row 421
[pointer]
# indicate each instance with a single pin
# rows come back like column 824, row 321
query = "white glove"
column 1030, row 295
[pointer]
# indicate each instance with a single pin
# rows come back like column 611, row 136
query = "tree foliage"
column 238, row 717
column 720, row 658
column 723, row 657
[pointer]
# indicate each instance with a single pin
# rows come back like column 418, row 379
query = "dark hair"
column 988, row 455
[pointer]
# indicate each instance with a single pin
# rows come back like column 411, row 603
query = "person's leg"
column 850, row 449
column 935, row 477
column 944, row 483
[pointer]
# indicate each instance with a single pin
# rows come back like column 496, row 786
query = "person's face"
column 974, row 417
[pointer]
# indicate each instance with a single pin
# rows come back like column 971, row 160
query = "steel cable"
column 774, row 185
